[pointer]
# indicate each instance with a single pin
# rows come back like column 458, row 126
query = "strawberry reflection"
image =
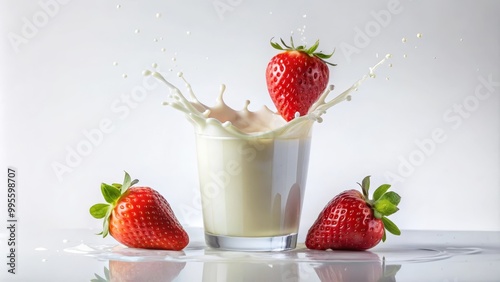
column 340, row 266
column 151, row 271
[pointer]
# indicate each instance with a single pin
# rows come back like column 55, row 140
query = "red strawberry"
column 139, row 217
column 296, row 78
column 353, row 221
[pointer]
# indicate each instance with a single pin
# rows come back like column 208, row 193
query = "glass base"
column 260, row 244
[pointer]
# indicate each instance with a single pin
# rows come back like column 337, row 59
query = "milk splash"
column 224, row 121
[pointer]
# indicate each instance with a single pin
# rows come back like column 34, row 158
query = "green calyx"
column 311, row 51
column 383, row 204
column 112, row 194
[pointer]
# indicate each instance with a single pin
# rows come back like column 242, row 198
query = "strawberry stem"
column 112, row 194
column 383, row 204
column 311, row 51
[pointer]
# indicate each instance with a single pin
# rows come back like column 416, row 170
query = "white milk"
column 252, row 188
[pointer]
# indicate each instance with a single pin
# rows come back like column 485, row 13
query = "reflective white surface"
column 79, row 255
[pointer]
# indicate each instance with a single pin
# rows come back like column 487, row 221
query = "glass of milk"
column 252, row 168
column 252, row 189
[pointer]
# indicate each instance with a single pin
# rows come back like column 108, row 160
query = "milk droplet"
column 270, row 12
column 44, row 260
column 419, row 35
column 376, row 55
column 304, row 16
column 118, row 6
column 390, row 65
column 124, row 75
column 404, row 56
column 65, row 241
column 372, row 73
column 158, row 15
column 461, row 39
column 174, row 59
column 137, row 31
column 163, row 49
column 188, row 32
column 387, row 78
column 155, row 39
column 115, row 63
column 403, row 39
column 146, row 72
column 154, row 65
column 348, row 98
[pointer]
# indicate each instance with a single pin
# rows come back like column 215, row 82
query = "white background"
column 429, row 124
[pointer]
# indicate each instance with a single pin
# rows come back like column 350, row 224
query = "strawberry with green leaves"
column 353, row 221
column 296, row 78
column 139, row 217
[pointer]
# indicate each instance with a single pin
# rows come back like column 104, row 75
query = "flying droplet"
column 137, row 31
column 146, row 72
column 174, row 59
column 115, row 63
column 155, row 39
column 387, row 78
column 461, row 39
column 405, row 56
column 348, row 98
column 403, row 39
column 158, row 15
column 118, row 6
column 124, row 75
column 188, row 32
column 304, row 16
column 163, row 49
column 419, row 35
column 390, row 65
column 154, row 65
column 387, row 56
